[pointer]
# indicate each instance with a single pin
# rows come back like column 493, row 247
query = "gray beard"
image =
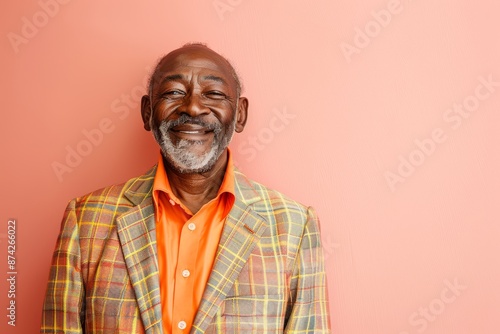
column 180, row 157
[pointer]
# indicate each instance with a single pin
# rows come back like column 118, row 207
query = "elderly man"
column 192, row 246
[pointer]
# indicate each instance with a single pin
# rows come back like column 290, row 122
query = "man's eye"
column 215, row 95
column 174, row 94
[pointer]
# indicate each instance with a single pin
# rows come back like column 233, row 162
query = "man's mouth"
column 194, row 130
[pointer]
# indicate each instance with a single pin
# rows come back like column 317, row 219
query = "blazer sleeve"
column 308, row 312
column 63, row 310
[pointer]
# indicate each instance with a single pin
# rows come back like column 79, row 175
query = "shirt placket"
column 184, row 276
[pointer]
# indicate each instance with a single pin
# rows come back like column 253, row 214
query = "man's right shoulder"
column 126, row 194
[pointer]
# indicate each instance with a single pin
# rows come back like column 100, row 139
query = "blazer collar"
column 141, row 187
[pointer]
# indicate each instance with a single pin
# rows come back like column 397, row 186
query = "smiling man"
column 192, row 246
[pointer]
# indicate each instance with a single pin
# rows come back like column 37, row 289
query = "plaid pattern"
column 268, row 275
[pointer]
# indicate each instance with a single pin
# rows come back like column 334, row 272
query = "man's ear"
column 146, row 111
column 242, row 114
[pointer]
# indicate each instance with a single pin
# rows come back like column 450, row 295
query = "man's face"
column 194, row 108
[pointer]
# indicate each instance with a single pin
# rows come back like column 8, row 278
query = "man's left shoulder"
column 269, row 200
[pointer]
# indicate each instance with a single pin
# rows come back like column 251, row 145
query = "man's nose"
column 194, row 106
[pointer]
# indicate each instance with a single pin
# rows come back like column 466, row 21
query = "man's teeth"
column 191, row 132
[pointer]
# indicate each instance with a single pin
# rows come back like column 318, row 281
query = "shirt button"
column 182, row 325
column 171, row 201
column 185, row 273
column 191, row 226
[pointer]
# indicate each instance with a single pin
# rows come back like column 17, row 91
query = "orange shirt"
column 186, row 245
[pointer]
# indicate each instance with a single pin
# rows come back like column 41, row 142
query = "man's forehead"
column 199, row 58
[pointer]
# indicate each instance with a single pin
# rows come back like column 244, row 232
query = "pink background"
column 351, row 111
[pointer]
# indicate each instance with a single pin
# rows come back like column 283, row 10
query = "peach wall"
column 384, row 115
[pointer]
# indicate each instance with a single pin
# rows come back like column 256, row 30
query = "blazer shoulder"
column 268, row 201
column 126, row 193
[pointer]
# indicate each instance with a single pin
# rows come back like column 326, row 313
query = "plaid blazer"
column 268, row 275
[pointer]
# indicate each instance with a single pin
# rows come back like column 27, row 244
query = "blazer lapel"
column 242, row 231
column 137, row 234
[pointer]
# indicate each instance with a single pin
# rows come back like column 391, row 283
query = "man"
column 192, row 246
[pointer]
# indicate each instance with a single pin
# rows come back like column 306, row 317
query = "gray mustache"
column 186, row 119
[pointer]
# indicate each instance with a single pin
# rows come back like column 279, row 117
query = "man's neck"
column 196, row 189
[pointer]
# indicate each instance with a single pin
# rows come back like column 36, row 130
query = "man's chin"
column 191, row 161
